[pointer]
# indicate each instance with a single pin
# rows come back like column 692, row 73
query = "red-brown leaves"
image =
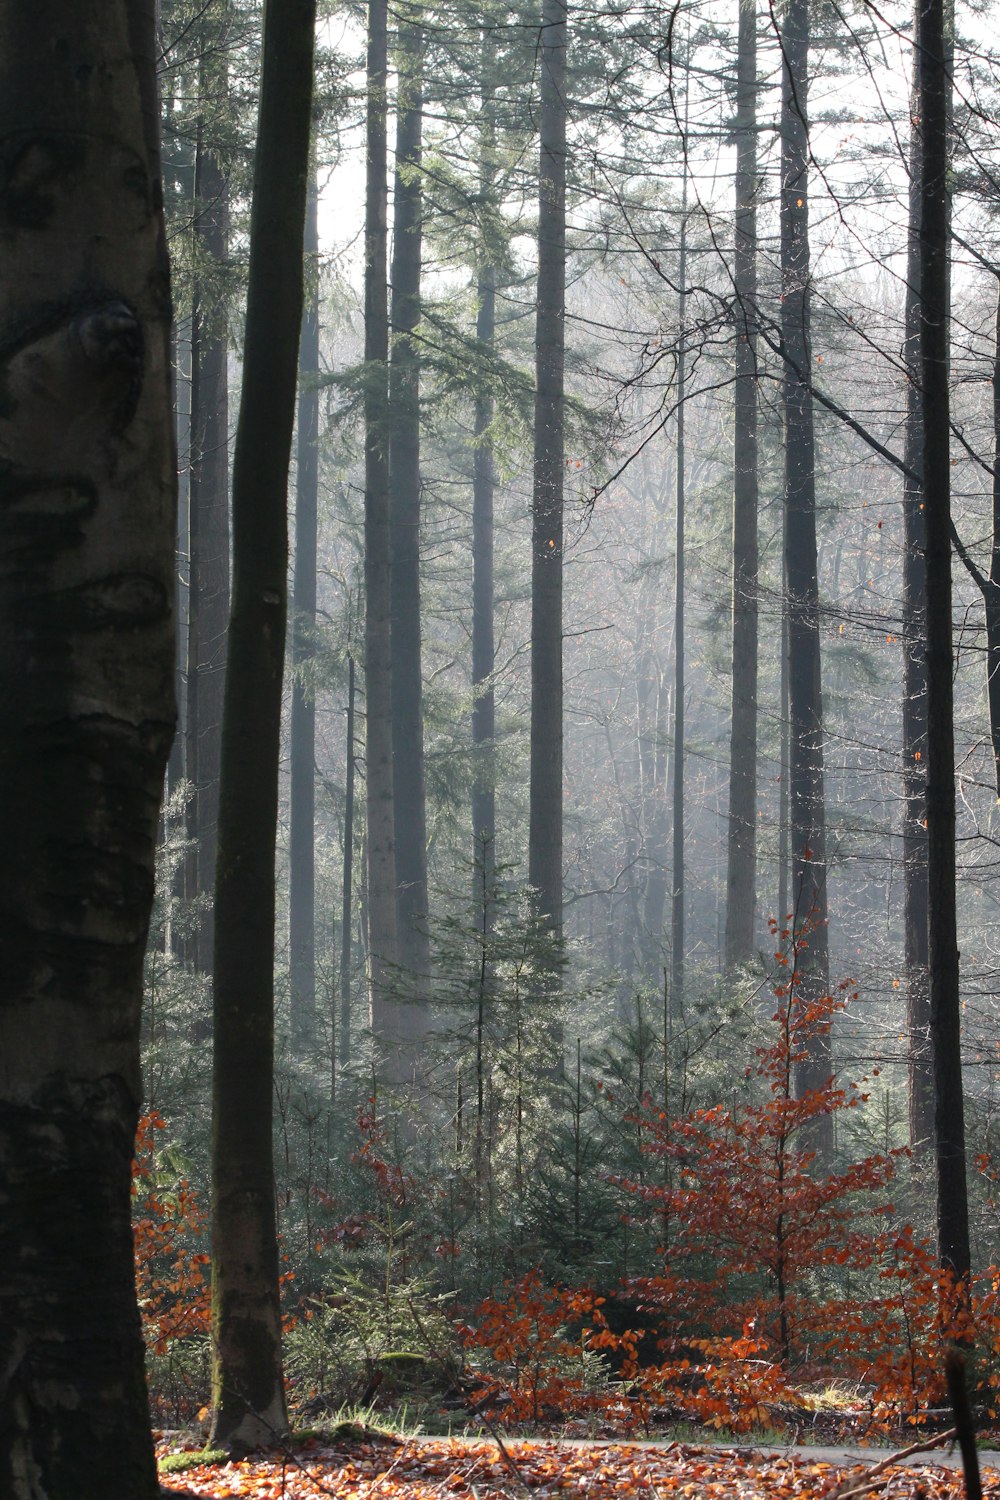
column 437, row 1469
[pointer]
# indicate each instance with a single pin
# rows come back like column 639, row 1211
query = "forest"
column 500, row 748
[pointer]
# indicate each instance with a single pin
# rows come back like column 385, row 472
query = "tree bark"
column 87, row 710
column 387, row 1014
column 806, row 793
column 741, row 874
column 208, row 554
column 934, row 86
column 915, row 909
column 409, row 807
column 247, row 1388
column 677, row 799
column 347, row 897
column 483, row 492
column 545, row 830
column 302, row 811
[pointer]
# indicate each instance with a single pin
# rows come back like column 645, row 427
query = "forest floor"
column 375, row 1467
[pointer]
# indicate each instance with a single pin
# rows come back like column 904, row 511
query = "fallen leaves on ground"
column 443, row 1469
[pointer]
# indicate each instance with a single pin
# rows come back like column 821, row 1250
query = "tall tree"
column 387, row 1014
column 88, row 490
column 807, row 813
column 677, row 799
column 933, row 96
column 915, row 909
column 302, row 757
column 741, row 875
column 247, row 1388
column 545, row 831
column 347, row 898
column 483, row 492
column 208, row 512
column 409, row 803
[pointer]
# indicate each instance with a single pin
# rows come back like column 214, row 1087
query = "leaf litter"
column 450, row 1469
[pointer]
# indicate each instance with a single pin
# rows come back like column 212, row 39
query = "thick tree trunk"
column 302, row 812
column 388, row 1016
column 915, row 910
column 208, row 608
column 806, row 794
column 87, row 517
column 409, row 809
column 545, row 831
column 934, row 87
column 483, row 491
column 741, row 875
column 247, row 1388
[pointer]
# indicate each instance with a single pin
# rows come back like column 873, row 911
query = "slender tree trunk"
column 208, row 609
column 934, row 86
column 409, row 809
column 247, row 1388
column 915, row 910
column 387, row 1016
column 806, row 793
column 545, row 832
column 784, row 852
column 991, row 593
column 87, row 518
column 347, row 907
column 483, row 491
column 741, row 876
column 656, row 845
column 677, row 800
column 181, row 363
column 302, row 813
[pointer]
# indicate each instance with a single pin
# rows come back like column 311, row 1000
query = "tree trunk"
column 483, row 491
column 409, row 810
column 87, row 517
column 302, row 813
column 387, row 1014
column 208, row 609
column 677, row 799
column 933, row 96
column 247, row 1388
column 656, row 839
column 741, row 877
column 806, row 794
column 181, row 382
column 545, row 817
column 915, row 910
column 347, row 897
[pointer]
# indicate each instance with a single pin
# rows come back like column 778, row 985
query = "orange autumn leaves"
column 453, row 1470
column 170, row 1273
